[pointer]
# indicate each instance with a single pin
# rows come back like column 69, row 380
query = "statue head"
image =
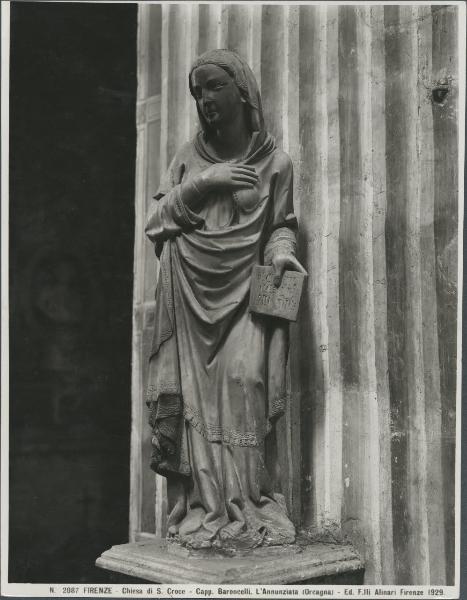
column 221, row 83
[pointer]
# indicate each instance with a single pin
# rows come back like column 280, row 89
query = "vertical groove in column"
column 143, row 59
column 160, row 507
column 164, row 87
column 136, row 375
column 147, row 269
column 181, row 108
column 351, row 281
column 222, row 30
column 307, row 364
column 430, row 351
column 238, row 29
column 213, row 27
column 417, row 458
column 138, row 288
column 177, row 87
column 254, row 40
column 330, row 75
column 328, row 132
column 405, row 312
column 396, row 242
column 350, row 194
column 291, row 82
column 142, row 130
column 446, row 206
column 284, row 76
column 192, row 124
column 204, row 28
column 378, row 168
column 210, row 26
column 154, row 49
column 362, row 446
column 272, row 49
column 361, row 516
column 373, row 471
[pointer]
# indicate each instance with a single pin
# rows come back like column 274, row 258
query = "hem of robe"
column 229, row 501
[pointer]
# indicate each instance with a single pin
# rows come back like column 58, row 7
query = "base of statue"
column 162, row 561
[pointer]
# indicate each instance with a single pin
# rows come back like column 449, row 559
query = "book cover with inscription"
column 282, row 301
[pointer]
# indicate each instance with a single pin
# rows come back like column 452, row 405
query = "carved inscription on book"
column 267, row 299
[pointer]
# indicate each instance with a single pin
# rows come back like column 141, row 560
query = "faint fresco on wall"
column 71, row 251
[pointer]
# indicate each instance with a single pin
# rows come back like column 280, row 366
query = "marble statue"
column 217, row 370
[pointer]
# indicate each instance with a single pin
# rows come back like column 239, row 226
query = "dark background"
column 72, row 160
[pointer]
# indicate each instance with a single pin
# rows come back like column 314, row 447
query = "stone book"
column 267, row 299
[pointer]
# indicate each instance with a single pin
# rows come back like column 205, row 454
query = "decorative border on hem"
column 216, row 433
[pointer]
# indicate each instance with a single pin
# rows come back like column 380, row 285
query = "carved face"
column 217, row 95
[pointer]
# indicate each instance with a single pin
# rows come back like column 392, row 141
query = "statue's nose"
column 207, row 96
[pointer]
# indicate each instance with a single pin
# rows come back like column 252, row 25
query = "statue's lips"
column 210, row 113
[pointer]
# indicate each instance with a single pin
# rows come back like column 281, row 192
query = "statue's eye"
column 215, row 85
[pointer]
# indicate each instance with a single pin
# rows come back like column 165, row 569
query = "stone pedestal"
column 165, row 562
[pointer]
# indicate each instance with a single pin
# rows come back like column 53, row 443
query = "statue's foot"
column 198, row 540
column 232, row 530
column 236, row 537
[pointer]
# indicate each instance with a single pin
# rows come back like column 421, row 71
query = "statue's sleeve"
column 168, row 214
column 282, row 237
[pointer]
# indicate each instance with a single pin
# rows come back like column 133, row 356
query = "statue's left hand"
column 281, row 262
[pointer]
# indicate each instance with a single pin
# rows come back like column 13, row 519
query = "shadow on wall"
column 72, row 112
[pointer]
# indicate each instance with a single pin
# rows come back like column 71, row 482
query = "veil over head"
column 243, row 77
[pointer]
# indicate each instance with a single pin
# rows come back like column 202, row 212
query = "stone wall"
column 365, row 100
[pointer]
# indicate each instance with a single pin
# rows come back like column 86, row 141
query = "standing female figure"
column 217, row 371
